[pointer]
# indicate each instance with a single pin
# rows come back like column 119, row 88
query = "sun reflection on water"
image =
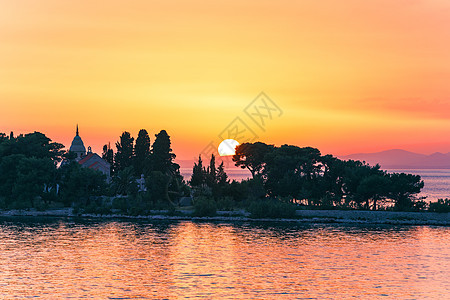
column 62, row 259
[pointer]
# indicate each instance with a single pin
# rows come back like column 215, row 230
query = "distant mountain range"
column 401, row 159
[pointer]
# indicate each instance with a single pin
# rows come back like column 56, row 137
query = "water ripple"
column 53, row 259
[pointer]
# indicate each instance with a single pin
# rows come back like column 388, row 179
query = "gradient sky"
column 350, row 76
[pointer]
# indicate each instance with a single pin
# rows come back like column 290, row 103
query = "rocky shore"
column 303, row 216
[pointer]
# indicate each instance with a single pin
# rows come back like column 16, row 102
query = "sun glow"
column 227, row 147
column 386, row 72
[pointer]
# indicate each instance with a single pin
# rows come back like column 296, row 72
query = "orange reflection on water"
column 186, row 259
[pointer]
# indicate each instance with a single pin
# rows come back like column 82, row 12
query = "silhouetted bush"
column 271, row 208
column 225, row 203
column 97, row 209
column 441, row 206
column 120, row 203
column 41, row 205
column 137, row 211
column 3, row 203
column 205, row 207
column 420, row 205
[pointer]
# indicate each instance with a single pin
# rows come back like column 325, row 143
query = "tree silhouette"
column 124, row 154
column 162, row 155
column 291, row 171
column 35, row 178
column 142, row 153
column 108, row 155
column 374, row 187
column 162, row 161
column 34, row 144
column 210, row 174
column 222, row 177
column 27, row 168
column 198, row 174
column 124, row 182
column 251, row 156
column 402, row 189
column 78, row 184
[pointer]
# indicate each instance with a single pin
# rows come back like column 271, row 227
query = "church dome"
column 78, row 145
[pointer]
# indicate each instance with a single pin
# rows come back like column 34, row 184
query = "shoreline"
column 303, row 216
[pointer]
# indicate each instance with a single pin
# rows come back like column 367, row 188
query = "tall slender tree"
column 198, row 176
column 162, row 155
column 108, row 155
column 211, row 172
column 162, row 160
column 222, row 177
column 141, row 152
column 124, row 155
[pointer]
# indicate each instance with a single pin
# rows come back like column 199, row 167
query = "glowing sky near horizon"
column 350, row 76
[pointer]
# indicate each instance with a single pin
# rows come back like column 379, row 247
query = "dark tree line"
column 141, row 156
column 305, row 176
column 36, row 172
column 136, row 159
column 210, row 180
column 30, row 176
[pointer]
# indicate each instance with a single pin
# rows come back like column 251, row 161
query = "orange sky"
column 349, row 76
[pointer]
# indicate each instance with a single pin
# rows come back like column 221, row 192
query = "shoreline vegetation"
column 288, row 183
column 301, row 216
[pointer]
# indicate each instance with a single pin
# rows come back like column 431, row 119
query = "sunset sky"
column 349, row 76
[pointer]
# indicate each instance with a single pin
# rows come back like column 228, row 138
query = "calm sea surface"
column 55, row 258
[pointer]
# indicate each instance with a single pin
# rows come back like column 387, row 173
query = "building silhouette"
column 90, row 159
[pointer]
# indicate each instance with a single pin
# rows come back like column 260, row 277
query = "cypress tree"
column 141, row 152
column 162, row 155
column 124, row 155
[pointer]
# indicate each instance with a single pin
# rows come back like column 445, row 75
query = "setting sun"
column 227, row 147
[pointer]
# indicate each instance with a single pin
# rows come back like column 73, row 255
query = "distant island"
column 402, row 159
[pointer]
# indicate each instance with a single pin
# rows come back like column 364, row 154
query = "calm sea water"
column 55, row 259
column 437, row 182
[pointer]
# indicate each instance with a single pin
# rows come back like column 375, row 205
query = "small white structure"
column 141, row 184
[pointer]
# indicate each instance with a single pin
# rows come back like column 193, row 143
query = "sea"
column 95, row 258
column 61, row 258
column 436, row 181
